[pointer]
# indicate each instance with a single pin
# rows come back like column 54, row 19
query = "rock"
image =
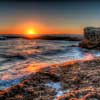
column 81, row 79
column 91, row 38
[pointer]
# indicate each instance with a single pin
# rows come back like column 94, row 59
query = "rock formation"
column 91, row 38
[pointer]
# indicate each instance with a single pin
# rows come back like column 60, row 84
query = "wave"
column 20, row 57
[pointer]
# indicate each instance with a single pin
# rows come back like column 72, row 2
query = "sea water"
column 21, row 57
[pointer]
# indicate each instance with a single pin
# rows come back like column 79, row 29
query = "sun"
column 31, row 32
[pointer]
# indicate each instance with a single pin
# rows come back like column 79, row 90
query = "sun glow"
column 31, row 32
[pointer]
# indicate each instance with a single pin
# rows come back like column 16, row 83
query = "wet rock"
column 82, row 79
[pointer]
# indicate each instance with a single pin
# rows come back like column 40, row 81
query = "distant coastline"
column 44, row 37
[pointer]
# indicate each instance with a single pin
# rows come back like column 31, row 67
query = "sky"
column 63, row 17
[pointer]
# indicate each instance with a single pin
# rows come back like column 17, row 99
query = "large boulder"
column 91, row 38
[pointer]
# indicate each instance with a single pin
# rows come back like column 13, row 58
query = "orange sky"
column 48, row 18
column 39, row 28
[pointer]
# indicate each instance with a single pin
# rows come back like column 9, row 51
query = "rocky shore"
column 89, row 45
column 78, row 80
column 91, row 38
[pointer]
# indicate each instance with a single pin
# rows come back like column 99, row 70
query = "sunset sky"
column 48, row 17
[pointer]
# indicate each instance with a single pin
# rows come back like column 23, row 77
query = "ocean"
column 21, row 57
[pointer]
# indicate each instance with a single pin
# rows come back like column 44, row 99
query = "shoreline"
column 75, row 79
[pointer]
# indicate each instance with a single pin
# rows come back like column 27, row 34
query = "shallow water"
column 20, row 57
column 57, row 87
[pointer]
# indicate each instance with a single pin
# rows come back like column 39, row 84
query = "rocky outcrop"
column 89, row 45
column 92, row 34
column 91, row 38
